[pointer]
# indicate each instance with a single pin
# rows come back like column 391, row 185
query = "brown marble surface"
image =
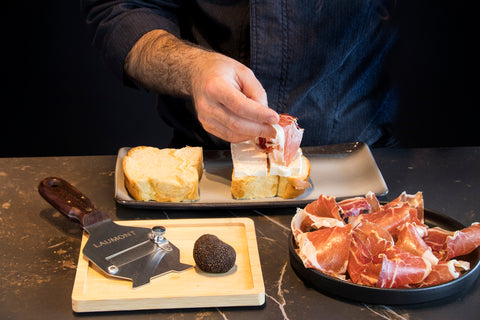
column 39, row 248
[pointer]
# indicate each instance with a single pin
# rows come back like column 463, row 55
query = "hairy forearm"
column 163, row 63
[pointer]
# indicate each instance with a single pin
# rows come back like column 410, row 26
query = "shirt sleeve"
column 115, row 26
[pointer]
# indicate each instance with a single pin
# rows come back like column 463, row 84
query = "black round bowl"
column 345, row 289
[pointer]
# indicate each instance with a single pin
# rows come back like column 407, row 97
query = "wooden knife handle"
column 70, row 201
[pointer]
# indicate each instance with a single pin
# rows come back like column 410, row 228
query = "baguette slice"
column 165, row 175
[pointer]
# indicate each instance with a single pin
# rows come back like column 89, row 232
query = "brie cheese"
column 294, row 169
column 248, row 159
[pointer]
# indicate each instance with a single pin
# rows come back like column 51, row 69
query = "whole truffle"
column 213, row 255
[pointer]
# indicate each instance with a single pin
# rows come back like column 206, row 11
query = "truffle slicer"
column 134, row 253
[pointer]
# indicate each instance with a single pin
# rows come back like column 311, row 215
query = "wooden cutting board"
column 241, row 286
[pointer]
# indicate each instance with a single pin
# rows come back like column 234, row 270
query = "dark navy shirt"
column 321, row 61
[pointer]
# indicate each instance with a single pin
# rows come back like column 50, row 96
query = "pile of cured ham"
column 385, row 246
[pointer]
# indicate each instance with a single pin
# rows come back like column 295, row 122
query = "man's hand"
column 230, row 102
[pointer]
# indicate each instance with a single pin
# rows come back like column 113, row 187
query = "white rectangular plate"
column 341, row 170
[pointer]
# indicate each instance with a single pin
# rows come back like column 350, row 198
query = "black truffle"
column 213, row 255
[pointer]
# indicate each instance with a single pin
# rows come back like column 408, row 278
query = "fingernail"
column 273, row 119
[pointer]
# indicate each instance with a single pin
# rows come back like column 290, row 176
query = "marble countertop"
column 39, row 248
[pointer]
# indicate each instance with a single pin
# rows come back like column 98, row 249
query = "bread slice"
column 165, row 175
column 258, row 176
column 253, row 187
column 292, row 186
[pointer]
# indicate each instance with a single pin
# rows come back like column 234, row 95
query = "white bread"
column 256, row 175
column 166, row 175
column 254, row 187
column 293, row 186
column 287, row 187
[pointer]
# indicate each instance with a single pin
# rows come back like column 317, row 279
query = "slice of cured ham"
column 304, row 222
column 462, row 242
column 326, row 249
column 354, row 206
column 363, row 267
column 436, row 238
column 324, row 206
column 445, row 271
column 322, row 213
column 372, row 201
column 415, row 201
column 450, row 244
column 410, row 240
column 400, row 269
column 390, row 218
column 284, row 148
column 368, row 241
column 375, row 238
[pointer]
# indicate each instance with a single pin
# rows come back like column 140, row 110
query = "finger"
column 251, row 87
column 223, row 132
column 241, row 105
column 220, row 121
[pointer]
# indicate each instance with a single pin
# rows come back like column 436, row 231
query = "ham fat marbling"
column 386, row 246
column 284, row 148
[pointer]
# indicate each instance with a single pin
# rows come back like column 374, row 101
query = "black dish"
column 344, row 289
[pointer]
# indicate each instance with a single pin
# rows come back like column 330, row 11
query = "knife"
column 134, row 253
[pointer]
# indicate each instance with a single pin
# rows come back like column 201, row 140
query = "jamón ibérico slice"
column 373, row 236
column 462, row 242
column 354, row 206
column 326, row 249
column 324, row 206
column 321, row 213
column 410, row 240
column 391, row 218
column 400, row 269
column 415, row 201
column 436, row 238
column 372, row 201
column 284, row 148
column 445, row 271
column 361, row 267
column 304, row 222
column 450, row 244
column 368, row 241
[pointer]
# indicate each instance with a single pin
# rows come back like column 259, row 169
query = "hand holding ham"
column 230, row 102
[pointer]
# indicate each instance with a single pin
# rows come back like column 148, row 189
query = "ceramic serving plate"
column 342, row 170
column 351, row 291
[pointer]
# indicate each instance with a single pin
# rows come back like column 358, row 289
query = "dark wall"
column 435, row 66
column 60, row 99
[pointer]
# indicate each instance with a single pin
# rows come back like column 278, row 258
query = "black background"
column 59, row 98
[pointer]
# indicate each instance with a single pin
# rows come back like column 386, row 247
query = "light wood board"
column 241, row 286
